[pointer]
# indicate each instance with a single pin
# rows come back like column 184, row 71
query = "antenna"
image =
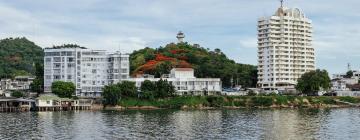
column 349, row 67
column 282, row 3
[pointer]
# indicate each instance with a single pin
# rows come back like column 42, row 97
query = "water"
column 178, row 124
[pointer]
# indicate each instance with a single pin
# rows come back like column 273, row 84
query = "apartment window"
column 56, row 77
column 123, row 76
column 70, row 59
column 124, row 70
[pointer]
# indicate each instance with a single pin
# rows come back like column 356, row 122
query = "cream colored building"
column 285, row 50
column 186, row 83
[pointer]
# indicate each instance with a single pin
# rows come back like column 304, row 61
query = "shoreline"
column 220, row 108
column 237, row 102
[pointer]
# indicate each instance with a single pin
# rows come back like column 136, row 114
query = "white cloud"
column 228, row 24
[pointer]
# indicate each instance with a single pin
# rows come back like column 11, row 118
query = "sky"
column 230, row 25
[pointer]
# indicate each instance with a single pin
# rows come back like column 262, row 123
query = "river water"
column 277, row 124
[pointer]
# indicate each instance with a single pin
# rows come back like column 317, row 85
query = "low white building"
column 18, row 83
column 339, row 85
column 186, row 83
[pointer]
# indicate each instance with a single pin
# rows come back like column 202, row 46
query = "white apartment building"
column 285, row 49
column 89, row 70
column 186, row 83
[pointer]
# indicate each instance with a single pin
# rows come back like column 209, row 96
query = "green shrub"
column 326, row 100
column 281, row 100
column 17, row 94
column 216, row 101
column 349, row 99
column 240, row 103
column 262, row 101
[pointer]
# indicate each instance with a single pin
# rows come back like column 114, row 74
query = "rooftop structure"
column 180, row 36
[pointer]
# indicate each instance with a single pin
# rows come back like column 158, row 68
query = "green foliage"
column 216, row 101
column 321, row 100
column 311, row 82
column 128, row 89
column 251, row 93
column 281, row 100
column 38, row 84
column 148, row 90
column 349, row 99
column 349, row 74
column 158, row 89
column 113, row 93
column 164, row 89
column 206, row 63
column 63, row 89
column 163, row 68
column 262, row 101
column 17, row 94
column 234, row 101
column 17, row 57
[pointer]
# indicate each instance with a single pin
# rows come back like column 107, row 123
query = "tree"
column 164, row 89
column 128, row 89
column 312, row 82
column 148, row 89
column 206, row 63
column 63, row 89
column 17, row 56
column 111, row 94
column 349, row 74
column 163, row 68
column 38, row 84
column 17, row 94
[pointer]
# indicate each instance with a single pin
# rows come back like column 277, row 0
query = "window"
column 47, row 102
column 70, row 59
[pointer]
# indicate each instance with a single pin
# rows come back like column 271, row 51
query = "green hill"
column 18, row 57
column 207, row 63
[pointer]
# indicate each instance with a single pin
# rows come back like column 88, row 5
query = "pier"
column 15, row 104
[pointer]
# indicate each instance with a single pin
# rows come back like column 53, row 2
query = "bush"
column 63, row 89
column 17, row 94
column 349, row 99
column 215, row 101
column 326, row 100
column 262, row 101
column 251, row 93
column 281, row 100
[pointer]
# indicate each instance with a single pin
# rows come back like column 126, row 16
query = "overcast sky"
column 226, row 24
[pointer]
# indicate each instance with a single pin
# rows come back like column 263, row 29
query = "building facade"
column 186, row 83
column 285, row 49
column 18, row 83
column 89, row 70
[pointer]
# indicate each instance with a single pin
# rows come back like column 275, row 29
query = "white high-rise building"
column 285, row 49
column 89, row 70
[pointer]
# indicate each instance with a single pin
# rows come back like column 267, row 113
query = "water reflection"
column 179, row 124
